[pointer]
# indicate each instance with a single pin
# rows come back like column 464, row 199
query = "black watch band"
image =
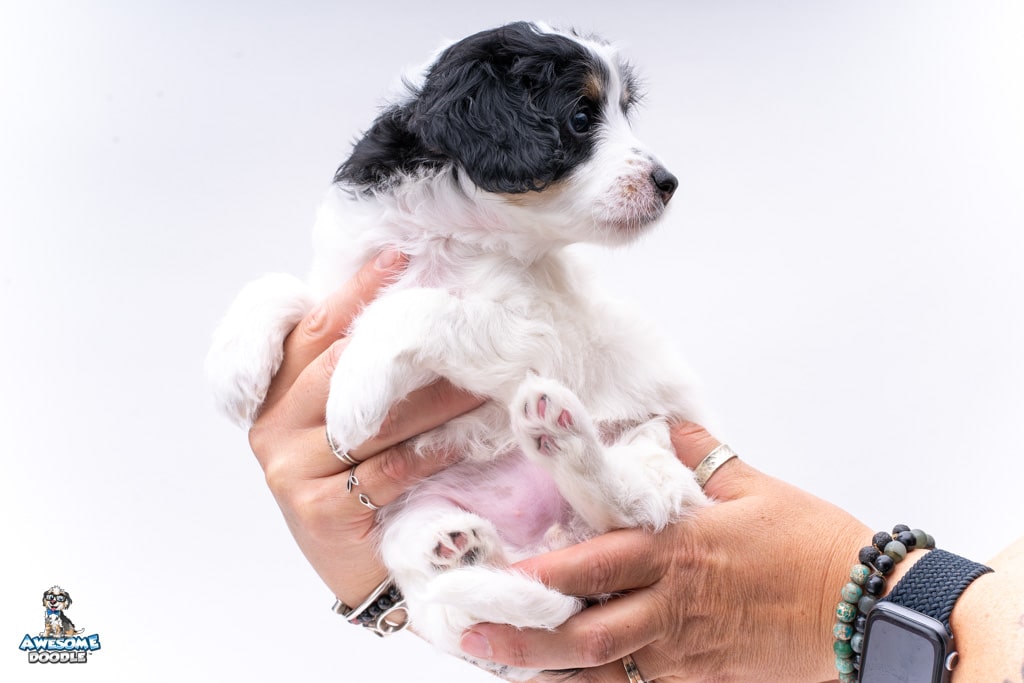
column 933, row 585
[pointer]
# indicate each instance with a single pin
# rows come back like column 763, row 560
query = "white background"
column 842, row 265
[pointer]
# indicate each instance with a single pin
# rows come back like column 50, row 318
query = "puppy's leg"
column 637, row 481
column 407, row 339
column 248, row 345
column 452, row 569
column 457, row 599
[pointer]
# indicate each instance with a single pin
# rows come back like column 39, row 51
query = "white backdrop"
column 842, row 265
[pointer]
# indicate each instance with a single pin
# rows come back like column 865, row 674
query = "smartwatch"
column 907, row 638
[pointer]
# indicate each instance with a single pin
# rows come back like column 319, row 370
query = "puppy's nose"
column 665, row 182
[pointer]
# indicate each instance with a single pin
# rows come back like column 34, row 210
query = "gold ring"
column 631, row 671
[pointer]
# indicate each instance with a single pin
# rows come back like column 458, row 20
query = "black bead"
column 874, row 586
column 881, row 539
column 868, row 554
column 860, row 623
column 906, row 538
column 900, row 528
column 884, row 564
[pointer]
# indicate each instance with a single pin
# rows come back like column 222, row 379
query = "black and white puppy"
column 513, row 144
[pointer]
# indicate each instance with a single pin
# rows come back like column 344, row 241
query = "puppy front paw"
column 375, row 371
column 248, row 345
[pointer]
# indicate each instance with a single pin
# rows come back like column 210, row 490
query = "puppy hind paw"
column 467, row 547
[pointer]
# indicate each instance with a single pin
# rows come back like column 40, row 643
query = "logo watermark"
column 59, row 642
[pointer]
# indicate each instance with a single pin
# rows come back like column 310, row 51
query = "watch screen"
column 897, row 655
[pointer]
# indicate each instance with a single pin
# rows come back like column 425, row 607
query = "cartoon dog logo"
column 55, row 601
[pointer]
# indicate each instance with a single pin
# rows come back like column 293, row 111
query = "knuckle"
column 279, row 480
column 395, row 465
column 310, row 506
column 330, row 358
column 259, row 438
column 601, row 572
column 390, row 428
column 517, row 653
column 596, row 645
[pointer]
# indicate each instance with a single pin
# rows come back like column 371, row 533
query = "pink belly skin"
column 518, row 496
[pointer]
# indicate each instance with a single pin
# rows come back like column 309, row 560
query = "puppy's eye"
column 580, row 121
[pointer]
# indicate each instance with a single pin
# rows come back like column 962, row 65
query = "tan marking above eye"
column 593, row 87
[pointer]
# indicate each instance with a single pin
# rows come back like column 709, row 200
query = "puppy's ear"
column 485, row 105
column 67, row 600
column 387, row 150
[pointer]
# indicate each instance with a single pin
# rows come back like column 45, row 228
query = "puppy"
column 512, row 145
column 57, row 624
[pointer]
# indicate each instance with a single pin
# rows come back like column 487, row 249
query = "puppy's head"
column 57, row 599
column 536, row 116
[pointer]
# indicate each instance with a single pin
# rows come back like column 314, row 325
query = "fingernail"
column 476, row 645
column 387, row 259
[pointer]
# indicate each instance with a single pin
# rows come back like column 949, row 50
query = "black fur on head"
column 513, row 107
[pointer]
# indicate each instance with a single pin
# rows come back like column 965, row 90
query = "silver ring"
column 340, row 455
column 365, row 500
column 710, row 464
column 631, row 671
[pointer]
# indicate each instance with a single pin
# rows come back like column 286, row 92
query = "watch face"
column 900, row 646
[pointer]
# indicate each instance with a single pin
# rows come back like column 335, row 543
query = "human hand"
column 745, row 590
column 330, row 525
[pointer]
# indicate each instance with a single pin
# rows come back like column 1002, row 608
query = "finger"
column 289, row 438
column 614, row 562
column 385, row 477
column 302, row 408
column 328, row 321
column 596, row 636
column 422, row 410
column 692, row 443
column 612, row 672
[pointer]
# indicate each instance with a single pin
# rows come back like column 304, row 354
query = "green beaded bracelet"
column 866, row 586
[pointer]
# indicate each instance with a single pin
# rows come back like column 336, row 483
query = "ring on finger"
column 365, row 500
column 710, row 464
column 632, row 672
column 338, row 453
column 352, row 482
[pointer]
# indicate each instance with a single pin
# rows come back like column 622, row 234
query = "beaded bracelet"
column 377, row 612
column 866, row 586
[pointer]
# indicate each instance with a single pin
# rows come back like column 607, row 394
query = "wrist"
column 842, row 555
column 353, row 588
column 873, row 576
